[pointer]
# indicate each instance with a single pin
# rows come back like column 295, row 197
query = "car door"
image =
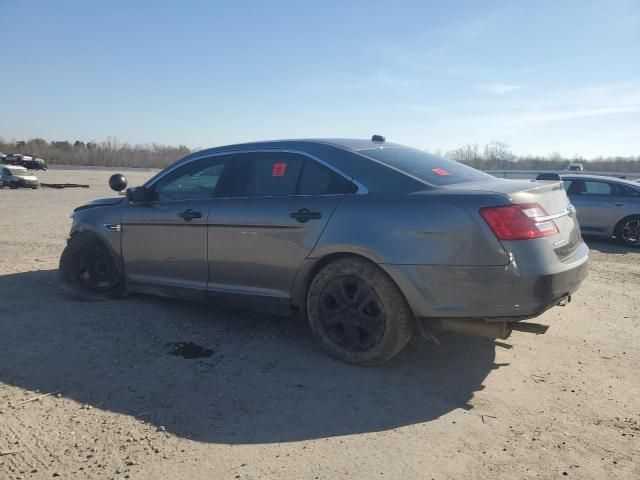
column 261, row 234
column 164, row 238
column 598, row 204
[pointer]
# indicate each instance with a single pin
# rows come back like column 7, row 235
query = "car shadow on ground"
column 605, row 245
column 266, row 381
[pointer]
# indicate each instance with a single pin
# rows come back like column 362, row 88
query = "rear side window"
column 426, row 167
column 273, row 174
column 318, row 180
column 629, row 192
column 598, row 188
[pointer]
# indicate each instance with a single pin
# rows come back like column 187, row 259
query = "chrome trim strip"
column 113, row 227
column 567, row 211
column 362, row 190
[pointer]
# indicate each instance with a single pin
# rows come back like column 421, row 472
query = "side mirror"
column 118, row 182
column 137, row 194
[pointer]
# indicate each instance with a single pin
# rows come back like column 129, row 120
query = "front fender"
column 105, row 223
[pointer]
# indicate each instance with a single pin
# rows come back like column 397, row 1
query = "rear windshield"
column 429, row 168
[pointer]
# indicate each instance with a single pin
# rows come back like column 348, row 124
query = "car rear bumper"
column 489, row 292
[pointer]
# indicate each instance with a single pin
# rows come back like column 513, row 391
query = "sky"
column 540, row 76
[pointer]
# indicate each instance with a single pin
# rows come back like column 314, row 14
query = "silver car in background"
column 606, row 206
column 368, row 240
column 15, row 176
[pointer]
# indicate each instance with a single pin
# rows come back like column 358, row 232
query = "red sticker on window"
column 440, row 171
column 279, row 169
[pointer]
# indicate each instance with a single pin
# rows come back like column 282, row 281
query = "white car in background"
column 575, row 167
column 15, row 176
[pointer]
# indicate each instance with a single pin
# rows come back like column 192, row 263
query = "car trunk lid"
column 550, row 196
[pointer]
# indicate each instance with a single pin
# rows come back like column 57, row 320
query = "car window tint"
column 629, row 192
column 598, row 188
column 424, row 166
column 577, row 187
column 194, row 181
column 273, row 174
column 319, row 180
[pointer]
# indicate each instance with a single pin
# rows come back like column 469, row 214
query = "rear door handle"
column 621, row 204
column 304, row 215
column 189, row 215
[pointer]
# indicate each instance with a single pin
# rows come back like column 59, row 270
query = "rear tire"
column 628, row 231
column 357, row 313
column 88, row 271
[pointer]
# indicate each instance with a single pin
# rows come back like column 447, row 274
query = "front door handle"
column 189, row 215
column 621, row 204
column 304, row 215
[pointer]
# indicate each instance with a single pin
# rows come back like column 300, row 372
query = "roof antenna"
column 378, row 139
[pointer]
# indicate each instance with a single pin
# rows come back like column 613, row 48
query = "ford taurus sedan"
column 606, row 206
column 368, row 240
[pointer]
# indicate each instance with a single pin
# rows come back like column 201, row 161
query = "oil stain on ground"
column 189, row 350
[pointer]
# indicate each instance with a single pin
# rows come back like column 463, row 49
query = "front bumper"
column 500, row 293
column 27, row 183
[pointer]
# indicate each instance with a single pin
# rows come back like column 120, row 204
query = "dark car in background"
column 369, row 240
column 606, row 206
column 30, row 162
column 12, row 159
column 33, row 163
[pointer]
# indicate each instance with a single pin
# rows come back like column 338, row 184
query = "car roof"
column 347, row 155
column 353, row 144
column 14, row 168
column 624, row 181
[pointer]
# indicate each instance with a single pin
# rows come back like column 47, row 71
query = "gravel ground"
column 269, row 404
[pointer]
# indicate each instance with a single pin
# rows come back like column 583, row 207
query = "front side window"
column 197, row 180
column 598, row 188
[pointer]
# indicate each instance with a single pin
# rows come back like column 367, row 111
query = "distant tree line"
column 109, row 153
column 112, row 153
column 497, row 156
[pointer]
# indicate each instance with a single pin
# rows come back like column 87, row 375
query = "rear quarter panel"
column 414, row 229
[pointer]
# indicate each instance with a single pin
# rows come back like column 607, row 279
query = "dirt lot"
column 269, row 404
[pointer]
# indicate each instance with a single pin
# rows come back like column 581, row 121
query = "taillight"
column 523, row 221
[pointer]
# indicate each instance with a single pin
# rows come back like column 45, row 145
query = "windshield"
column 426, row 167
column 18, row 173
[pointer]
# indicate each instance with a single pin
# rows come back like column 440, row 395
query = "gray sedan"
column 607, row 206
column 368, row 240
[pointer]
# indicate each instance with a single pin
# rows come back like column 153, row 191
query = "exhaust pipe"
column 482, row 328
